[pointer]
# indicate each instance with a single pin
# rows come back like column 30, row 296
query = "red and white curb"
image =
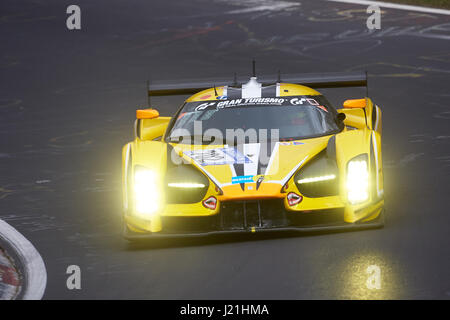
column 22, row 270
column 10, row 284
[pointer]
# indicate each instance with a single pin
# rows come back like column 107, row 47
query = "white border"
column 396, row 6
column 35, row 277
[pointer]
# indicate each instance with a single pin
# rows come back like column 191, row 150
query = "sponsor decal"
column 241, row 102
column 250, row 101
column 307, row 101
column 301, row 101
column 241, row 179
column 219, row 156
column 223, row 102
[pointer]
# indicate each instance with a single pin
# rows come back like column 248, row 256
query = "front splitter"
column 378, row 223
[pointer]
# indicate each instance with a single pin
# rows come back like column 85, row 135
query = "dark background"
column 67, row 106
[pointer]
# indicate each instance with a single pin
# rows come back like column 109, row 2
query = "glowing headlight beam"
column 357, row 181
column 185, row 185
column 146, row 192
column 317, row 179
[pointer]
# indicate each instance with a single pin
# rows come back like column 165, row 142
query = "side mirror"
column 147, row 114
column 340, row 117
column 355, row 103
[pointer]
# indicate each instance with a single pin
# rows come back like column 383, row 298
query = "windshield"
column 295, row 117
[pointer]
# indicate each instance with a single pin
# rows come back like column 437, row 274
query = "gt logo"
column 297, row 101
column 203, row 106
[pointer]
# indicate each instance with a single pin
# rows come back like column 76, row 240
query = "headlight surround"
column 318, row 178
column 357, row 179
column 146, row 191
column 185, row 184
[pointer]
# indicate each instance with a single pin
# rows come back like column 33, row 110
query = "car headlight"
column 317, row 179
column 185, row 185
column 358, row 179
column 146, row 193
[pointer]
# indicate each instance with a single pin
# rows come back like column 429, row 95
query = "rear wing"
column 312, row 80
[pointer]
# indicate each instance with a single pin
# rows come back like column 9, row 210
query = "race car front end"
column 322, row 171
column 315, row 185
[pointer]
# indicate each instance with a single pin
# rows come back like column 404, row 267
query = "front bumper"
column 343, row 227
column 254, row 217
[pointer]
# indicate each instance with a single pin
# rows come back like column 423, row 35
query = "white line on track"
column 396, row 6
column 35, row 274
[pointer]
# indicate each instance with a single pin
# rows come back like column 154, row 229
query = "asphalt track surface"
column 67, row 106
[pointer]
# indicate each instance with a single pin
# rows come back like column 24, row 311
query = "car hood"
column 253, row 170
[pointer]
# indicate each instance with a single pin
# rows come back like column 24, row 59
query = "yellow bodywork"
column 361, row 135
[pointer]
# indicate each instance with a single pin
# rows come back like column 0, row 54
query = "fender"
column 350, row 144
column 366, row 115
column 148, row 154
column 151, row 129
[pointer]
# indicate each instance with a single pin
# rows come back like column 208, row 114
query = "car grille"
column 257, row 214
column 245, row 215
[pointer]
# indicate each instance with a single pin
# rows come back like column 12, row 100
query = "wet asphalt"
column 67, row 106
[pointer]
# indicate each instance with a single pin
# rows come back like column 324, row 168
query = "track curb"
column 27, row 260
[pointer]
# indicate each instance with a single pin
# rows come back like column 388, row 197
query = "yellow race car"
column 253, row 155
